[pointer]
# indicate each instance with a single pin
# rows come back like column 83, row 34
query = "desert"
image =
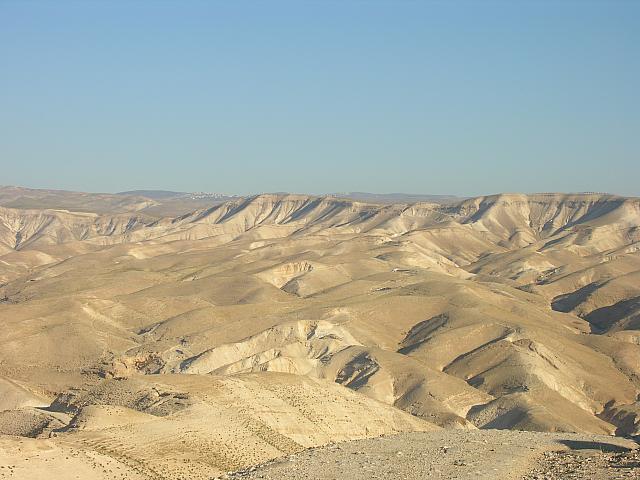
column 138, row 345
column 319, row 240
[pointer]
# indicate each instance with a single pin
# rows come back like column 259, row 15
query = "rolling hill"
column 290, row 321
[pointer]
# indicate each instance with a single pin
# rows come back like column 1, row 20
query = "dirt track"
column 456, row 454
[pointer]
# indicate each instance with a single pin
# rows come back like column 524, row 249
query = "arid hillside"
column 242, row 331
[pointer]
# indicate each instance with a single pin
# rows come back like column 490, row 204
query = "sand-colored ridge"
column 506, row 311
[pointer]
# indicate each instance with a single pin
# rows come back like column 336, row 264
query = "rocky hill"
column 320, row 319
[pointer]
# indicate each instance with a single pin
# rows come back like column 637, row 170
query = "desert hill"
column 319, row 319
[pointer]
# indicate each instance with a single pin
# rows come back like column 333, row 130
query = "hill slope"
column 506, row 311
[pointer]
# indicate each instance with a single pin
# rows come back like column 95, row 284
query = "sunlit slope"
column 507, row 311
column 177, row 426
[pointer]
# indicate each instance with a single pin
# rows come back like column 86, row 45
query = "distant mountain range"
column 397, row 197
column 155, row 203
column 162, row 203
column 168, row 194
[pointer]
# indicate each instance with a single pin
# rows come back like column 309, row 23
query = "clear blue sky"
column 385, row 96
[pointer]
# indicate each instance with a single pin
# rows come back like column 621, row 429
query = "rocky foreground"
column 455, row 454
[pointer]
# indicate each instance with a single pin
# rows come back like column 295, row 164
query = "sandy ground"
column 35, row 459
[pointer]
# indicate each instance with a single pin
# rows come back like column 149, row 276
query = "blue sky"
column 385, row 96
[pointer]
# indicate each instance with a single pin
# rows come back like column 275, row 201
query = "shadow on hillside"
column 601, row 446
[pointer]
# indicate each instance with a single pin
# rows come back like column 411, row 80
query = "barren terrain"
column 144, row 339
column 458, row 455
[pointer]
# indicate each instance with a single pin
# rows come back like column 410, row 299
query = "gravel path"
column 591, row 464
column 458, row 454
